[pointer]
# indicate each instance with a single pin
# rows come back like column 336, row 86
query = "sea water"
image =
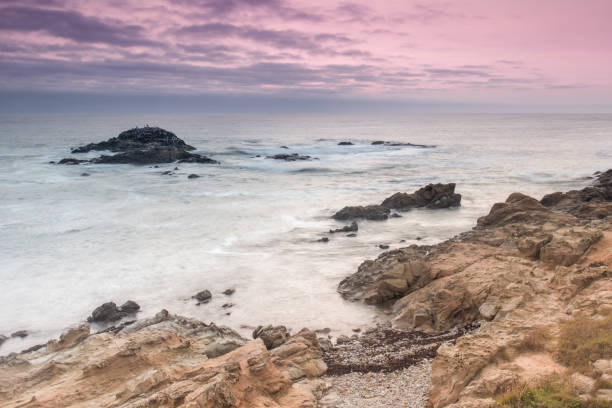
column 70, row 242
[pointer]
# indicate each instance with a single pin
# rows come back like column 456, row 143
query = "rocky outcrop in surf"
column 431, row 196
column 147, row 145
column 525, row 269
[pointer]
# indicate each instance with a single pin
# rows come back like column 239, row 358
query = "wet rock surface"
column 203, row 296
column 272, row 336
column 369, row 212
column 431, row 196
column 109, row 312
column 147, row 145
column 353, row 227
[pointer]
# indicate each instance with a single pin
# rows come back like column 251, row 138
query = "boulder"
column 203, row 296
column 229, row 292
column 431, row 196
column 272, row 336
column 105, row 313
column 129, row 307
column 345, row 144
column 353, row 227
column 369, row 212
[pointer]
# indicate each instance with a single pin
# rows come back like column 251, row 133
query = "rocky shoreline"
column 471, row 319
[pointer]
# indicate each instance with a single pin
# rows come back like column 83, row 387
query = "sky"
column 305, row 55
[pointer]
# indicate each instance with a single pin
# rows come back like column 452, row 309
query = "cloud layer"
column 470, row 50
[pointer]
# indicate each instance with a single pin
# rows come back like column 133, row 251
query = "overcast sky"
column 224, row 55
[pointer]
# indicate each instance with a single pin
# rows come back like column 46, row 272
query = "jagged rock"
column 289, row 157
column 107, row 312
column 272, row 336
column 347, row 228
column 203, row 296
column 69, row 338
column 174, row 361
column 430, row 196
column 300, row 356
column 369, row 212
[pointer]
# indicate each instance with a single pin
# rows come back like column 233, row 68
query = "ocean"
column 69, row 243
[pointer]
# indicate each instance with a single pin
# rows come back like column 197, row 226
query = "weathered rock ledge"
column 527, row 267
column 165, row 361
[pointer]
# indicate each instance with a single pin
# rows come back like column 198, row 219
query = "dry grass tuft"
column 582, row 341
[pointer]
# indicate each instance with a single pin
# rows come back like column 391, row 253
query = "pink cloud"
column 454, row 50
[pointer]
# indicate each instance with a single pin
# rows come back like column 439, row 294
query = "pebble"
column 406, row 388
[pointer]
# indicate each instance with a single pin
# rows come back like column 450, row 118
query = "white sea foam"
column 69, row 243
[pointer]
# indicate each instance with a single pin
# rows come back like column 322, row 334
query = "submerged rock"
column 20, row 333
column 289, row 157
column 345, row 144
column 72, row 160
column 3, row 338
column 193, row 176
column 369, row 212
column 229, row 292
column 382, row 142
column 353, row 227
column 148, row 145
column 431, row 196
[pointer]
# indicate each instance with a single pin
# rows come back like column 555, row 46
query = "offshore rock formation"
column 431, row 196
column 166, row 361
column 369, row 212
column 526, row 266
column 148, row 145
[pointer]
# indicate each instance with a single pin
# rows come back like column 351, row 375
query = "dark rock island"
column 147, row 145
column 431, row 196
